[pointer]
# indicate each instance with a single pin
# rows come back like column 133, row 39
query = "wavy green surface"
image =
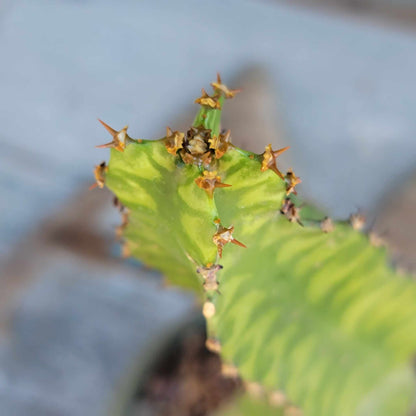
column 320, row 316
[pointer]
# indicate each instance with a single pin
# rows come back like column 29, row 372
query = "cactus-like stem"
column 298, row 304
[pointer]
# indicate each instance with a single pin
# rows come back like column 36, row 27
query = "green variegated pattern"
column 320, row 316
column 170, row 218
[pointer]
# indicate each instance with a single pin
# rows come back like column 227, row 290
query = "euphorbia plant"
column 294, row 301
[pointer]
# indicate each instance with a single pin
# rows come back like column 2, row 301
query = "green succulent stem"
column 297, row 303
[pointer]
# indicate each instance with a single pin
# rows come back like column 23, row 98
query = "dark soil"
column 186, row 382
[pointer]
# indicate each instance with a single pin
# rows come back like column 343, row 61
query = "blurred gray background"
column 334, row 80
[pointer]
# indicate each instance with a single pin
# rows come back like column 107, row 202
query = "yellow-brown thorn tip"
column 208, row 101
column 173, row 141
column 120, row 138
column 219, row 87
column 224, row 236
column 209, row 181
column 269, row 159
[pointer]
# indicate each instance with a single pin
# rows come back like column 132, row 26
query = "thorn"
column 224, row 236
column 269, row 159
column 209, row 181
column 220, row 88
column 327, row 226
column 173, row 141
column 120, row 138
column 220, row 144
column 108, row 128
column 293, row 180
column 208, row 101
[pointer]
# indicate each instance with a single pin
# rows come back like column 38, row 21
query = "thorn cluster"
column 208, row 100
column 209, row 181
column 327, row 226
column 269, row 159
column 209, row 275
column 291, row 181
column 220, row 143
column 357, row 221
column 221, row 88
column 224, row 236
column 120, row 138
column 291, row 211
column 173, row 141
